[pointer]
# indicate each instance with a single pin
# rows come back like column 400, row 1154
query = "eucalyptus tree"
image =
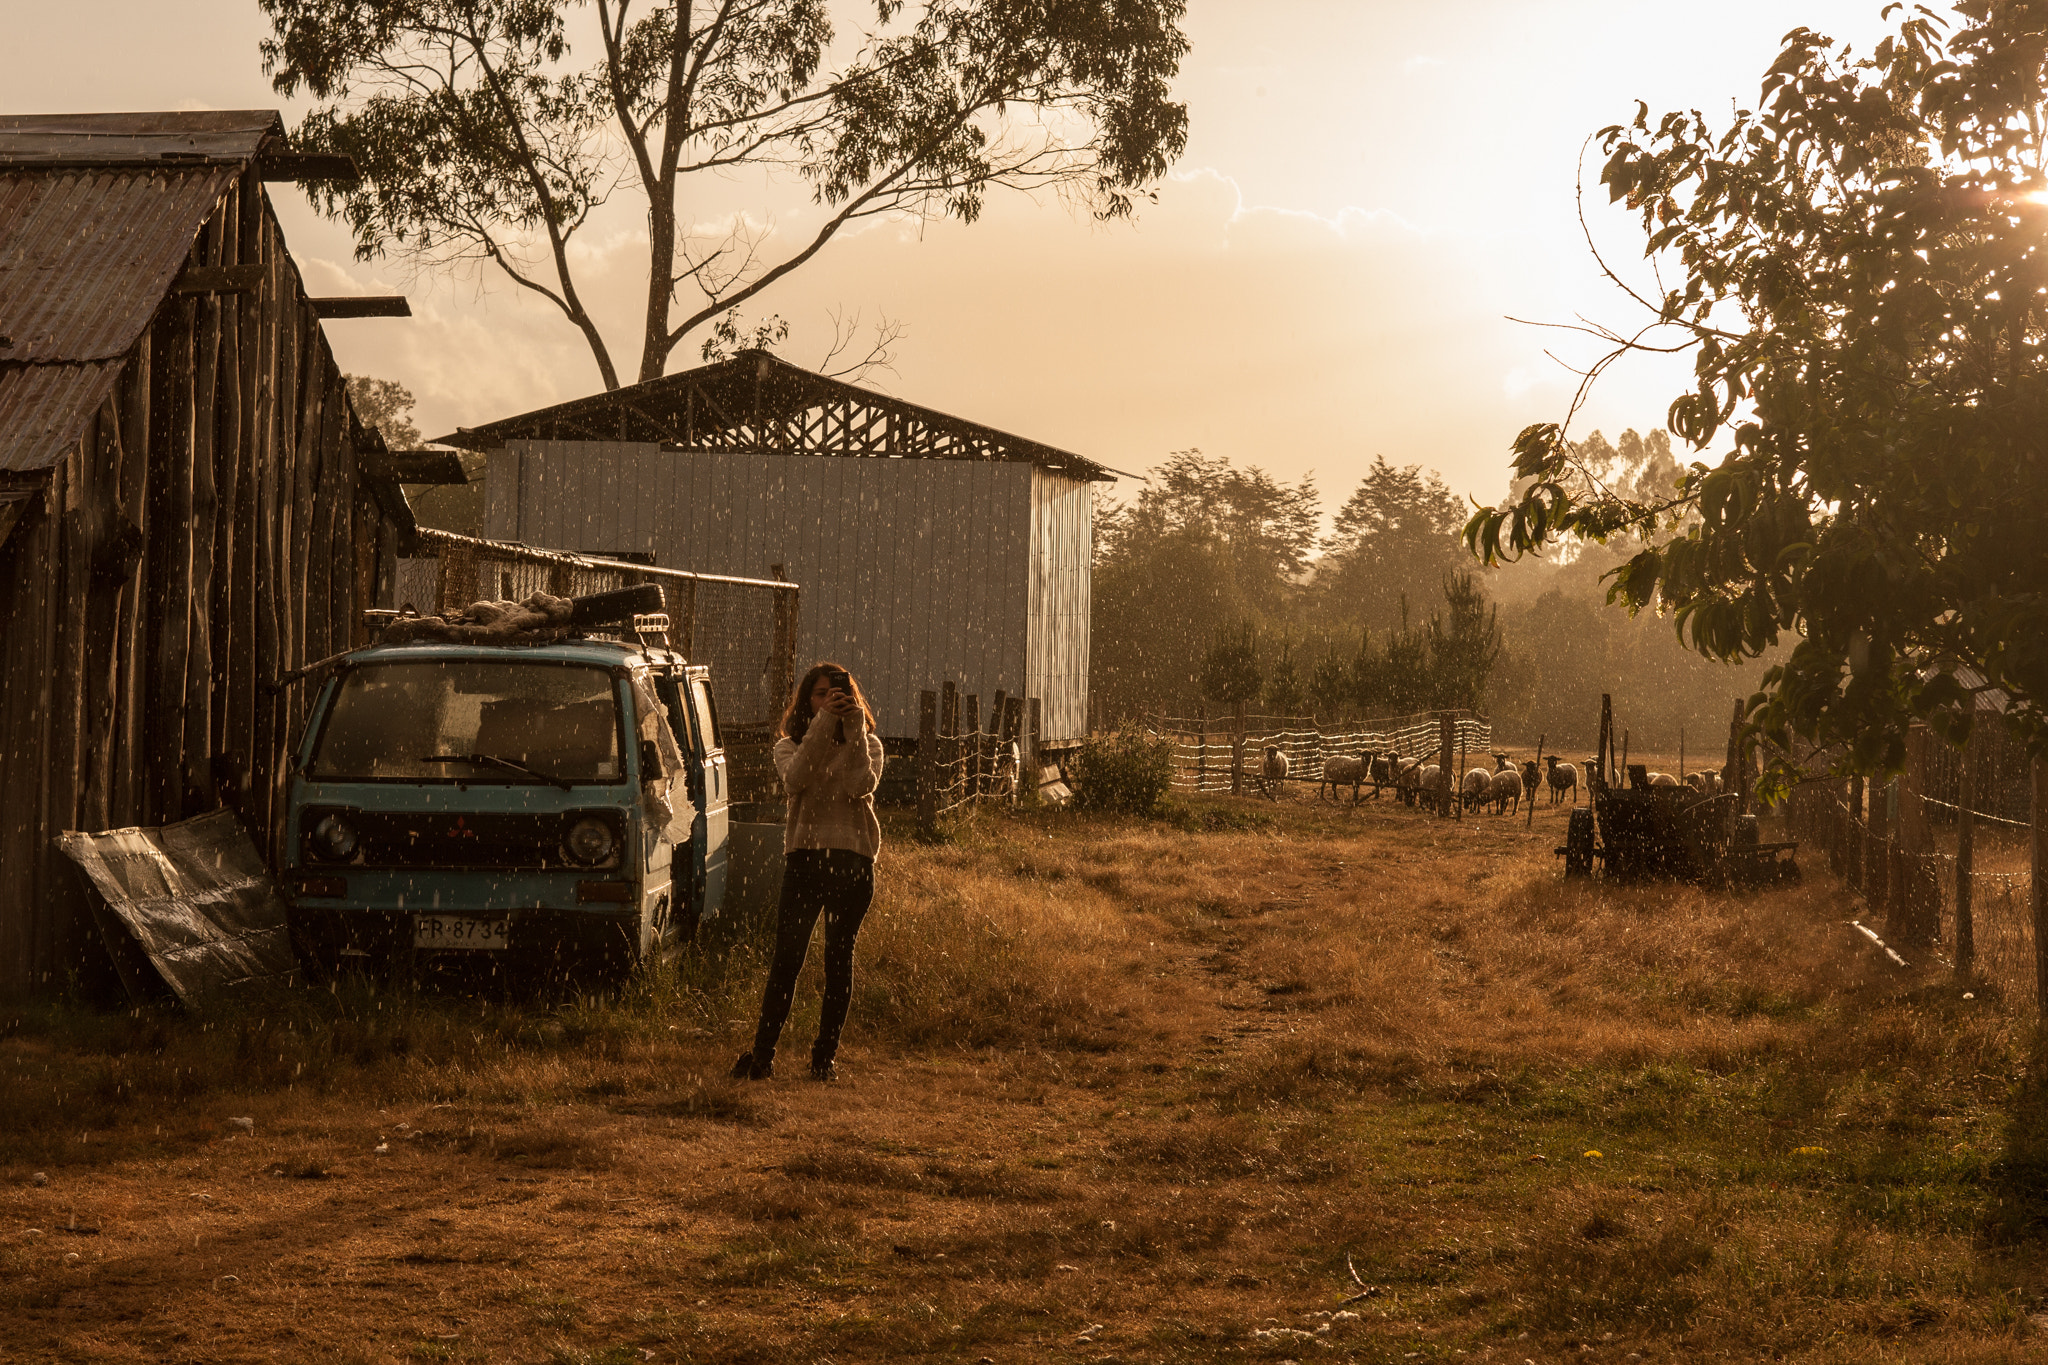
column 479, row 130
column 1862, row 280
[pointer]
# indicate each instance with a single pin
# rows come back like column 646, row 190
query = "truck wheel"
column 1578, row 843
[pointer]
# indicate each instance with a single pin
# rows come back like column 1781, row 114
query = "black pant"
column 839, row 884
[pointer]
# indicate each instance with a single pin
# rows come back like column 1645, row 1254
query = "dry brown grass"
column 1115, row 1091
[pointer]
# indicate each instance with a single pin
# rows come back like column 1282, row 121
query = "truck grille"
column 469, row 839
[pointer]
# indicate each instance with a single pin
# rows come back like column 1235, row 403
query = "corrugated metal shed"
column 915, row 572
column 86, row 257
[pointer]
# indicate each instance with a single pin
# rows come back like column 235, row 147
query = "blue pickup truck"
column 552, row 808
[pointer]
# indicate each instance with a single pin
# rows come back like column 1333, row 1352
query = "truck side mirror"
column 650, row 761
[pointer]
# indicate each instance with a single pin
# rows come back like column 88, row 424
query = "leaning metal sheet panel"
column 44, row 408
column 197, row 898
column 86, row 257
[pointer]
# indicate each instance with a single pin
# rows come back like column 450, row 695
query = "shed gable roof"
column 98, row 213
column 759, row 402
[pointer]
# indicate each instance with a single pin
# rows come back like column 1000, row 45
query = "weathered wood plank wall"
column 202, row 536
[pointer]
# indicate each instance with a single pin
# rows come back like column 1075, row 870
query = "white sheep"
column 1273, row 770
column 1562, row 777
column 1662, row 780
column 1342, row 770
column 1504, row 785
column 1432, row 784
column 1476, row 787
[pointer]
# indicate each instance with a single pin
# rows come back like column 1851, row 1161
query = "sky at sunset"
column 1369, row 191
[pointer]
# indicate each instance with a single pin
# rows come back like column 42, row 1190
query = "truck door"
column 704, row 723
column 689, row 868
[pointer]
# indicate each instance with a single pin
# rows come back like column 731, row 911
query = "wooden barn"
column 189, row 508
column 930, row 549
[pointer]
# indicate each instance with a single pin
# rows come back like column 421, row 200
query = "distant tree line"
column 1214, row 586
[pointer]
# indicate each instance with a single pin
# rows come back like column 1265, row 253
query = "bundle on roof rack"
column 541, row 618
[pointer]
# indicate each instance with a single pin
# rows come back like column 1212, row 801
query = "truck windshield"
column 472, row 721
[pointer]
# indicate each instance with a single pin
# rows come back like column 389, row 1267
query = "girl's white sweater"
column 831, row 787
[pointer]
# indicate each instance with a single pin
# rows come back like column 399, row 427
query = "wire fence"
column 1942, row 856
column 966, row 759
column 1207, row 753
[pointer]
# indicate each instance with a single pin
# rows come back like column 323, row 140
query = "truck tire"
column 1578, row 843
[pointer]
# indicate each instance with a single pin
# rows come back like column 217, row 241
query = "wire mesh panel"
column 743, row 629
column 1909, row 865
column 1202, row 745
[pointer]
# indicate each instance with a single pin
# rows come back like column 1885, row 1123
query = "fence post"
column 928, row 763
column 970, row 772
column 1877, row 847
column 1237, row 750
column 1966, row 857
column 1034, row 720
column 1915, row 915
column 1447, row 786
column 2038, row 832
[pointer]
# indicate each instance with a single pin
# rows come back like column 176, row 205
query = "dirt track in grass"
column 1115, row 1090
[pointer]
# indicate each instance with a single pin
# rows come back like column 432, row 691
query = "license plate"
column 457, row 931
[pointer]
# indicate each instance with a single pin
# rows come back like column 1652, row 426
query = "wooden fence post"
column 970, row 772
column 1877, row 847
column 1034, row 720
column 1915, row 894
column 1854, row 836
column 928, row 763
column 1966, row 857
column 2037, row 819
column 1237, row 750
column 1447, row 785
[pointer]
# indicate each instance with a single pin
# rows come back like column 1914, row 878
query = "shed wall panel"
column 913, row 571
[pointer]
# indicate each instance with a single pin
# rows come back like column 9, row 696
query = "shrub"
column 1127, row 773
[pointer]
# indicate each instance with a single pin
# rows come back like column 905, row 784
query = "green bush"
column 1126, row 773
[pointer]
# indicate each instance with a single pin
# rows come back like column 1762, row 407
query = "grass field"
column 1263, row 1081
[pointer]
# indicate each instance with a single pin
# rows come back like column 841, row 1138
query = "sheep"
column 1382, row 770
column 1532, row 778
column 1504, row 785
column 1407, row 779
column 1273, row 771
column 1476, row 787
column 1432, row 783
column 1662, row 780
column 1563, row 777
column 1342, row 770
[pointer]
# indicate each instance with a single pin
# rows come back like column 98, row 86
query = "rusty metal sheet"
column 44, row 408
column 69, row 139
column 86, row 257
column 197, row 898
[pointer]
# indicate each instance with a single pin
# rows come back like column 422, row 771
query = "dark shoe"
column 824, row 1071
column 747, row 1069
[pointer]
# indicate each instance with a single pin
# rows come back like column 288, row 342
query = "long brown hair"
column 797, row 716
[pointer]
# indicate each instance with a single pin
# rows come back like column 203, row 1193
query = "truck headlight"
column 590, row 841
column 334, row 839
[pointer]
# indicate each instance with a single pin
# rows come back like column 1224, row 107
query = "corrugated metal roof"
column 86, row 256
column 232, row 135
column 43, row 408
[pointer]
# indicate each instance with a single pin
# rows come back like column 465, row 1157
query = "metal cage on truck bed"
column 744, row 629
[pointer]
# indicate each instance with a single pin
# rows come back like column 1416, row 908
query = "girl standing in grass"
column 830, row 761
